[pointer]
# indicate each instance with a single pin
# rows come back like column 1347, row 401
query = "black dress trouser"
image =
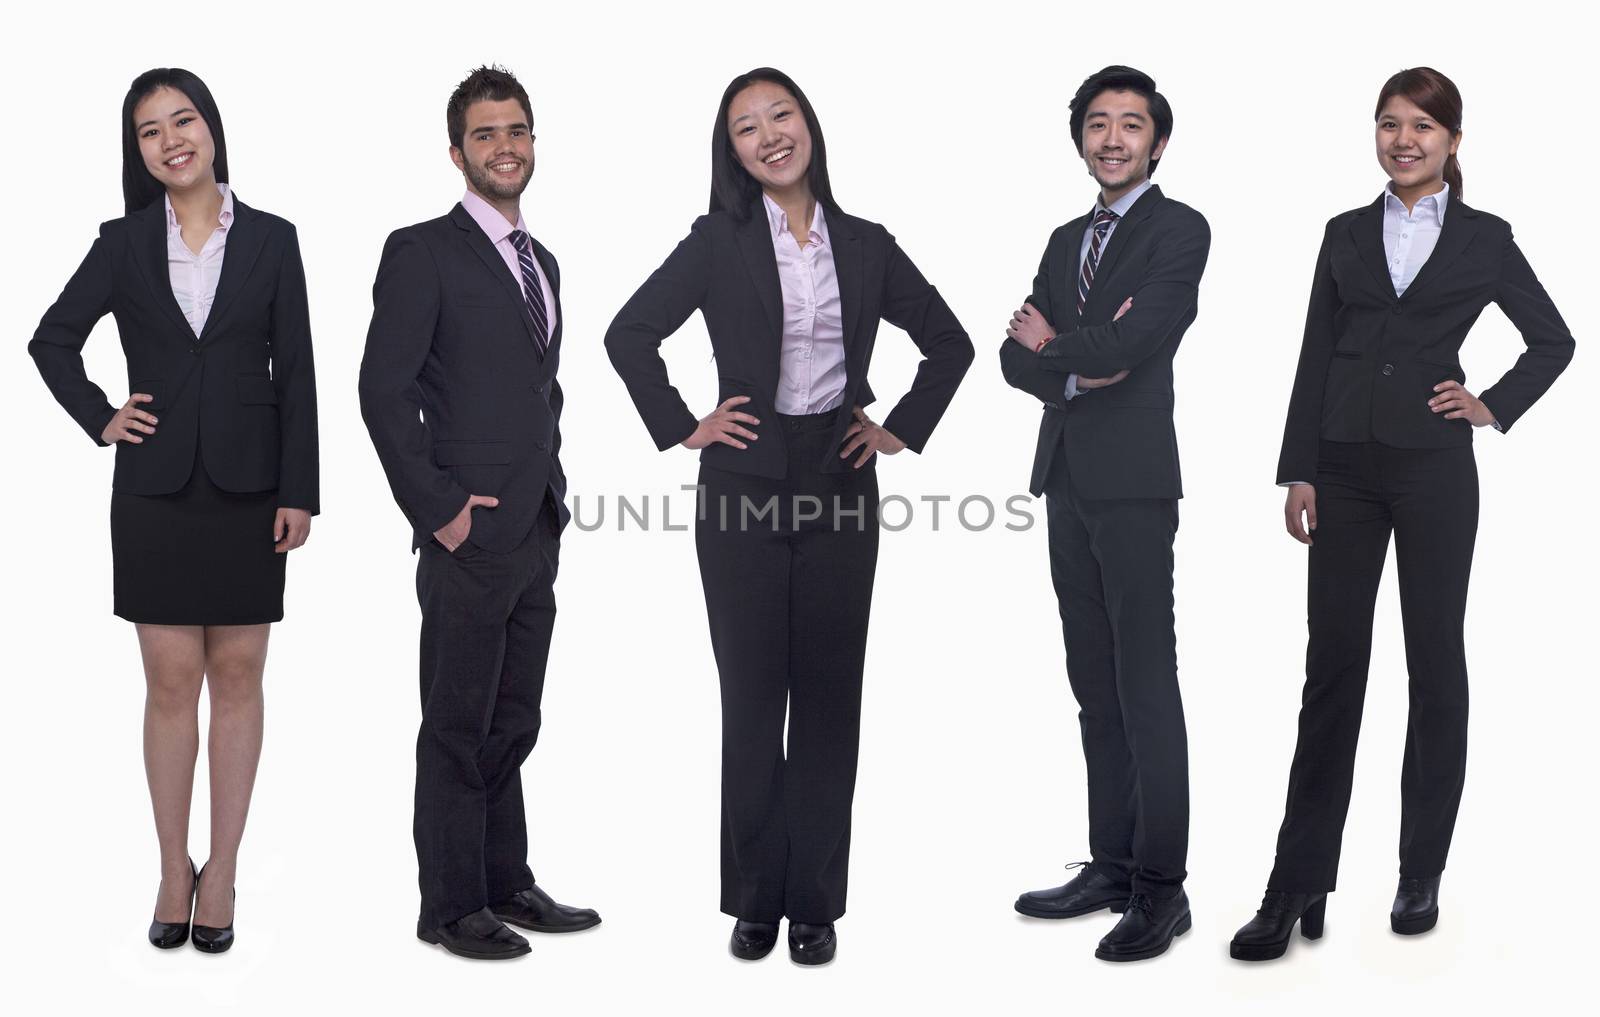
column 1428, row 499
column 1111, row 563
column 787, row 567
column 486, row 624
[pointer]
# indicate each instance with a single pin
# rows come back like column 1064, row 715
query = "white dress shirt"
column 195, row 276
column 811, row 376
column 1410, row 237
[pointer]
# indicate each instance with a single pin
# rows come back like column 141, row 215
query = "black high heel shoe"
column 170, row 935
column 206, row 938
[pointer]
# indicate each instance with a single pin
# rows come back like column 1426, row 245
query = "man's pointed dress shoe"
column 1266, row 936
column 534, row 910
column 1416, row 906
column 1087, row 892
column 480, row 936
column 1149, row 925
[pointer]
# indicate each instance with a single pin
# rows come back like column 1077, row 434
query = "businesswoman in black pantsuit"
column 216, row 462
column 1379, row 442
column 792, row 290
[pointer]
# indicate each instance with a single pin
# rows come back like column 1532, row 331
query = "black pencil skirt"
column 199, row 556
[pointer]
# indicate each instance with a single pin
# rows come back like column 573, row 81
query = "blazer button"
column 541, row 446
column 1388, row 368
column 1398, row 309
column 194, row 351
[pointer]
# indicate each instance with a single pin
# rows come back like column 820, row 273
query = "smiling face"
column 174, row 141
column 1413, row 147
column 770, row 137
column 496, row 153
column 1119, row 142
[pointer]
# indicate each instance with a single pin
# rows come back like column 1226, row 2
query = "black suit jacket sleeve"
column 405, row 310
column 294, row 378
column 1302, row 433
column 659, row 308
column 1549, row 341
column 910, row 303
column 1164, row 304
column 1020, row 366
column 57, row 345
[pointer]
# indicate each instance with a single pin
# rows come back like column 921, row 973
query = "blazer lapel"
column 755, row 249
column 152, row 262
column 846, row 243
column 1454, row 235
column 1366, row 229
column 481, row 246
column 245, row 238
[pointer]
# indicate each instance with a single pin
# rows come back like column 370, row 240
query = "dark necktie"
column 1102, row 225
column 532, row 292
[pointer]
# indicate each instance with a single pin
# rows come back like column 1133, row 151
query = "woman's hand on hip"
column 722, row 424
column 290, row 528
column 863, row 434
column 128, row 423
column 1301, row 500
column 1455, row 401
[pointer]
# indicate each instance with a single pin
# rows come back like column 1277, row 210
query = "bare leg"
column 235, row 656
column 174, row 664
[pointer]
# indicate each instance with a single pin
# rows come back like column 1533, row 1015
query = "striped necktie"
column 1102, row 225
column 532, row 292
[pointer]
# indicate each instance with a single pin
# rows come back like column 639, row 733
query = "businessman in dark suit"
column 1115, row 292
column 459, row 393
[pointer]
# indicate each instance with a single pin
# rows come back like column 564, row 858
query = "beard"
column 488, row 184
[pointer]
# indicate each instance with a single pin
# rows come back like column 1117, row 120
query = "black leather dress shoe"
column 1416, row 906
column 1266, row 936
column 534, row 910
column 170, row 935
column 1087, row 892
column 206, row 938
column 812, row 944
column 753, row 940
column 480, row 936
column 1148, row 927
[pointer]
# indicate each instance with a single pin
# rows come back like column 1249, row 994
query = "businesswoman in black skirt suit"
column 1379, row 442
column 792, row 290
column 216, row 462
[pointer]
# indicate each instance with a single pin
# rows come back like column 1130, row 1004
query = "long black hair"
column 139, row 188
column 733, row 189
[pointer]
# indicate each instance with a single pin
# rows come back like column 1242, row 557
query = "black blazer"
column 244, row 388
column 454, row 393
column 1370, row 359
column 728, row 270
column 1119, row 440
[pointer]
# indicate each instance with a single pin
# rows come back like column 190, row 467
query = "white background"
column 948, row 124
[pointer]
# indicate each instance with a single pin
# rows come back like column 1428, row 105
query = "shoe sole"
column 428, row 937
column 752, row 954
column 1258, row 951
column 1115, row 907
column 1414, row 926
column 550, row 930
column 812, row 959
column 1183, row 926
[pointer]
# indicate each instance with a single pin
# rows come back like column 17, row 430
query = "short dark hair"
column 490, row 83
column 139, row 188
column 1118, row 78
column 733, row 189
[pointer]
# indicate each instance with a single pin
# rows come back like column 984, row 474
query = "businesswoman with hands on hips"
column 216, row 461
column 1379, row 442
column 792, row 290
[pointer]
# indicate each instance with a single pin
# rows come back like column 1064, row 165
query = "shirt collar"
column 1122, row 204
column 489, row 218
column 224, row 217
column 1435, row 203
column 778, row 220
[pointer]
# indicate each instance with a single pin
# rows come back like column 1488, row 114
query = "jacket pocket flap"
column 472, row 453
column 257, row 389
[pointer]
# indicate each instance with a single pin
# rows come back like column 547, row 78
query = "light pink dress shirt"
column 499, row 230
column 811, row 377
column 194, row 276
